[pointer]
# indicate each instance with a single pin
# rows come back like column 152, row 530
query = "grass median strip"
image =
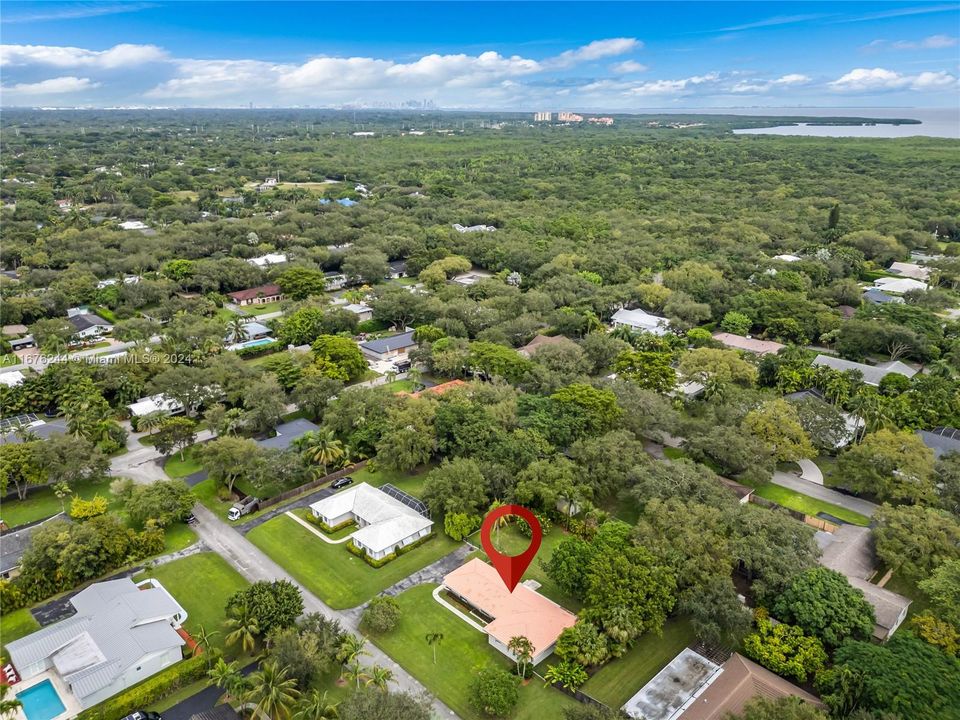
column 806, row 504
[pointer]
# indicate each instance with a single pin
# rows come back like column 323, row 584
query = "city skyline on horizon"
column 588, row 57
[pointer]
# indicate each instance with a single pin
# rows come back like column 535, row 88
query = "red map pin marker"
column 511, row 567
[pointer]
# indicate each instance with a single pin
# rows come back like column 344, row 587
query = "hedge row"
column 387, row 558
column 149, row 691
column 328, row 528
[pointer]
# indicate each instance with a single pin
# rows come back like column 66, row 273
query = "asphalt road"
column 254, row 565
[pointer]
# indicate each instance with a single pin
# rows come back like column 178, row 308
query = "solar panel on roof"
column 409, row 500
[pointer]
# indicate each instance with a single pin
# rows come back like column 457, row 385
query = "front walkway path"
column 315, row 531
column 254, row 565
column 433, row 573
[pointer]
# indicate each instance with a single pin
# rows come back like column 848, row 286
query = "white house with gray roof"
column 872, row 374
column 121, row 634
column 386, row 522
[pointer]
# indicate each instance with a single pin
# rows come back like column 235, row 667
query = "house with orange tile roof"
column 748, row 344
column 524, row 612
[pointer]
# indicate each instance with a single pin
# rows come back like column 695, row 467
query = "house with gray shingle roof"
column 121, row 634
column 387, row 348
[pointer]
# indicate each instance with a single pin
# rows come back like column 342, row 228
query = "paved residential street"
column 858, row 505
column 255, row 565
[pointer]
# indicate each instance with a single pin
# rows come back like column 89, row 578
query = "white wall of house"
column 147, row 665
column 379, row 555
column 332, row 522
column 537, row 659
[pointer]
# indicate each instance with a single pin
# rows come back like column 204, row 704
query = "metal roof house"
column 640, row 321
column 388, row 518
column 15, row 543
column 121, row 634
column 848, row 551
column 872, row 374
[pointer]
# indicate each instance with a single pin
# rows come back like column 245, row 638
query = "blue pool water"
column 41, row 701
column 255, row 343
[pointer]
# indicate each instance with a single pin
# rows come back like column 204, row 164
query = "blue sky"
column 540, row 55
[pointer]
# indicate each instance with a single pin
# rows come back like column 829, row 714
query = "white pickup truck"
column 243, row 507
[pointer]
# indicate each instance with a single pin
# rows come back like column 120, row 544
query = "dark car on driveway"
column 341, row 483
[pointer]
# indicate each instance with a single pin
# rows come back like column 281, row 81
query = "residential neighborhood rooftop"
column 749, row 344
column 523, row 612
column 872, row 374
column 288, row 432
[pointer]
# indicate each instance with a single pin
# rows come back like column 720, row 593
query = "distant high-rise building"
column 569, row 117
column 542, row 117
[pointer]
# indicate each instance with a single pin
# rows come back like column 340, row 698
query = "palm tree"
column 379, row 677
column 61, row 490
column 243, row 627
column 501, row 521
column 354, row 671
column 272, row 691
column 227, row 677
column 204, row 640
column 433, row 639
column 8, row 705
column 352, row 648
column 236, row 329
column 315, row 706
column 522, row 650
column 323, row 447
column 151, row 421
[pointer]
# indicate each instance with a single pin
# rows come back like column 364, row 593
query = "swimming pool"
column 251, row 343
column 41, row 702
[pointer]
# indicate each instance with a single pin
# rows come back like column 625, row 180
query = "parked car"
column 342, row 482
column 243, row 507
column 143, row 715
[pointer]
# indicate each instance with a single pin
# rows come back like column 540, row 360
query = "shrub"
column 382, row 614
column 494, row 691
column 81, row 509
column 524, row 527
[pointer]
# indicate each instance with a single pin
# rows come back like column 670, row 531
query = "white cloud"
column 597, row 50
column 860, row 80
column 673, row 87
column 934, row 42
column 763, row 86
column 53, row 86
column 123, row 55
column 627, row 67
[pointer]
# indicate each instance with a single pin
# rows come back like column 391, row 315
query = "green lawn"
column 14, row 625
column 337, row 577
column 512, row 542
column 42, row 503
column 618, row 681
column 462, row 649
column 177, row 468
column 206, row 492
column 261, row 309
column 806, row 504
column 177, row 537
column 400, row 386
column 411, row 483
column 202, row 584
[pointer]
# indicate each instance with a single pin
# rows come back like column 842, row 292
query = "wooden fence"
column 811, row 520
column 287, row 494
